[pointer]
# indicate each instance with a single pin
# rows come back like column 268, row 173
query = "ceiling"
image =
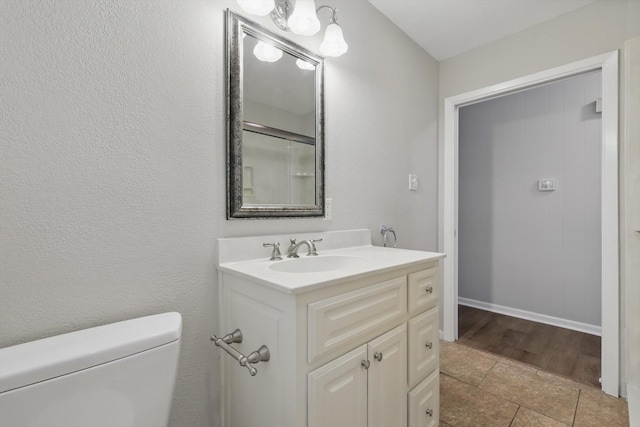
column 446, row 28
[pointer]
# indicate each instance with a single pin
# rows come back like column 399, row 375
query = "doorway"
column 608, row 63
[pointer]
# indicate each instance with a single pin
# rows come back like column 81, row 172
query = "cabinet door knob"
column 365, row 364
column 430, row 412
column 378, row 357
column 429, row 345
column 429, row 289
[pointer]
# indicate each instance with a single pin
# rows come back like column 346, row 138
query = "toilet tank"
column 116, row 375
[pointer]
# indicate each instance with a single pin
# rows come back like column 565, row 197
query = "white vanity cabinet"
column 354, row 351
column 346, row 355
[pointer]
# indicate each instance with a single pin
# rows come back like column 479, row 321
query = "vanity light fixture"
column 266, row 52
column 333, row 43
column 303, row 20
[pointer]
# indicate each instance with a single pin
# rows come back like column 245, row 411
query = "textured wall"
column 113, row 170
column 519, row 247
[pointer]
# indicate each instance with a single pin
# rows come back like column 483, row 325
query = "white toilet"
column 117, row 375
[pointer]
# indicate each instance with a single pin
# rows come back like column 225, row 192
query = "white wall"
column 519, row 247
column 598, row 28
column 112, row 163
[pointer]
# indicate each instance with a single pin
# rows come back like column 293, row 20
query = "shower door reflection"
column 278, row 170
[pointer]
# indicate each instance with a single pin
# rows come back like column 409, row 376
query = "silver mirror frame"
column 236, row 25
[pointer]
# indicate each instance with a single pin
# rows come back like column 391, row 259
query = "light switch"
column 413, row 182
column 547, row 185
column 328, row 209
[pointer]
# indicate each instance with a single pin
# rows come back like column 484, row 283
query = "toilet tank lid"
column 47, row 358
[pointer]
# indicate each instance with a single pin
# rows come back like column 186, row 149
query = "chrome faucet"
column 292, row 250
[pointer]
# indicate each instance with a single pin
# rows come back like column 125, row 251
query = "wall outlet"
column 413, row 182
column 328, row 209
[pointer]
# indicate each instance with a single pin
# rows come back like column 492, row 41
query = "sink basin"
column 316, row 264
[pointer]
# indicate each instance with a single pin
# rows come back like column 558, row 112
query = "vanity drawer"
column 353, row 318
column 424, row 345
column 424, row 402
column 423, row 290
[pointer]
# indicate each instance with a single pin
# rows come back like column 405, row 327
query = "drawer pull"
column 430, row 412
column 429, row 289
column 378, row 357
column 365, row 364
column 429, row 345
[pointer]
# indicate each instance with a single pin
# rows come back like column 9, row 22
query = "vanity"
column 352, row 333
column 343, row 337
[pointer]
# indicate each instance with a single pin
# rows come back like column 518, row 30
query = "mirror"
column 275, row 146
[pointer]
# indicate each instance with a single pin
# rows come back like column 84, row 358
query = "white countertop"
column 369, row 260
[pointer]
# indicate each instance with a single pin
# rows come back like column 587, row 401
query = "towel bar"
column 260, row 355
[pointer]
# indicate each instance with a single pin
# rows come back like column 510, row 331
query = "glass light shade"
column 304, row 65
column 333, row 43
column 304, row 20
column 257, row 7
column 267, row 53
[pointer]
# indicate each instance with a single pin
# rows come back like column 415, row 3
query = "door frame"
column 608, row 63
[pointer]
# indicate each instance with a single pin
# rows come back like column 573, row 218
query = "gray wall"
column 112, row 164
column 598, row 28
column 519, row 247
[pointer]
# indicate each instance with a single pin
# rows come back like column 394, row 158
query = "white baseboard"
column 633, row 400
column 535, row 317
column 441, row 334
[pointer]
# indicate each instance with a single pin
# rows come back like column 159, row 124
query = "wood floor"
column 572, row 354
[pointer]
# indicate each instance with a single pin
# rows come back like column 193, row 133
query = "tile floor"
column 481, row 389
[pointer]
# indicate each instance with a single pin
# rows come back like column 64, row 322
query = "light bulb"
column 304, row 20
column 304, row 65
column 267, row 53
column 257, row 7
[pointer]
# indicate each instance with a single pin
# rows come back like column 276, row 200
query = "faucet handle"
column 312, row 247
column 275, row 254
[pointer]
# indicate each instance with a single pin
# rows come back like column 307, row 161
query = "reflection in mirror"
column 279, row 94
column 286, row 167
column 275, row 163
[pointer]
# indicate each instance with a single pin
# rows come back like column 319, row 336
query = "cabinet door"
column 424, row 402
column 424, row 345
column 338, row 392
column 388, row 379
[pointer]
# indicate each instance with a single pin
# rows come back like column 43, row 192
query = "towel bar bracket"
column 384, row 230
column 260, row 355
